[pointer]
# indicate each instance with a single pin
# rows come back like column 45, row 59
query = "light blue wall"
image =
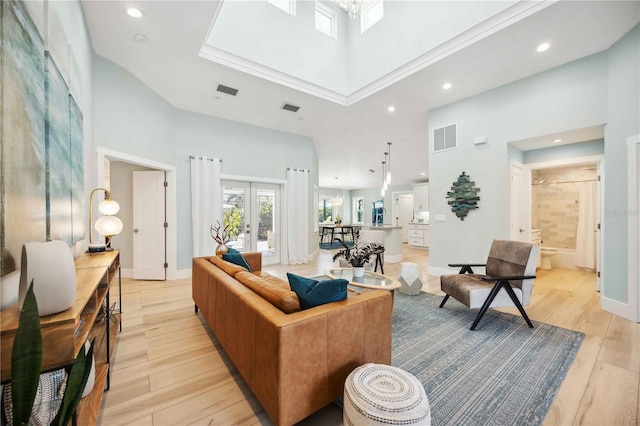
column 563, row 152
column 603, row 88
column 246, row 150
column 623, row 121
column 568, row 97
column 132, row 119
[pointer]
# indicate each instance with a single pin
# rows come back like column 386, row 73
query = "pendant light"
column 384, row 171
column 389, row 165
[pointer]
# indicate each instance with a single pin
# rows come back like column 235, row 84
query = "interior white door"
column 404, row 213
column 149, row 232
column 517, row 231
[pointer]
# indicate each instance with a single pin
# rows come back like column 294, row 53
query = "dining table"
column 331, row 229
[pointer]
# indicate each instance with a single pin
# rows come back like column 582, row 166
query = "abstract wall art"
column 464, row 196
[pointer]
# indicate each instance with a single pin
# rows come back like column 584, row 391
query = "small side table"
column 409, row 278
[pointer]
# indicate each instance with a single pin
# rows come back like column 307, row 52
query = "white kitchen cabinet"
column 418, row 234
column 421, row 196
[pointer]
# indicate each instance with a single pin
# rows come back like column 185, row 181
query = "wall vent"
column 289, row 107
column 228, row 90
column 444, row 138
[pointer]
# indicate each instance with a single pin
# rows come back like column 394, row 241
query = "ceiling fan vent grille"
column 444, row 138
column 288, row 107
column 228, row 90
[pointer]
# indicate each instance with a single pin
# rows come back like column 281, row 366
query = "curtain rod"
column 204, row 158
column 298, row 170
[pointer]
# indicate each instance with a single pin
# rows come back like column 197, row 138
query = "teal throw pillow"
column 315, row 293
column 237, row 258
column 231, row 250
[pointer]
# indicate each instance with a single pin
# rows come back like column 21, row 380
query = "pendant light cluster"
column 386, row 171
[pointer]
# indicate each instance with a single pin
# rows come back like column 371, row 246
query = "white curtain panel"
column 297, row 216
column 206, row 203
column 587, row 224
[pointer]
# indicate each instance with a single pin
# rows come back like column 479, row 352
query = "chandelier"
column 353, row 7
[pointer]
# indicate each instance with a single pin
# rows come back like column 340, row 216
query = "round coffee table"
column 370, row 280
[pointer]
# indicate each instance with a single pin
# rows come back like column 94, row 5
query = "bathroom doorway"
column 562, row 210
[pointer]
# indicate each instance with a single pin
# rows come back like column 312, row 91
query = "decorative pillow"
column 272, row 289
column 231, row 250
column 237, row 258
column 314, row 293
column 228, row 267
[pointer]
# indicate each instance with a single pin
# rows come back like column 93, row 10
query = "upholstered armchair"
column 508, row 280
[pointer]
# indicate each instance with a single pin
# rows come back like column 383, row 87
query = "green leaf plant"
column 26, row 360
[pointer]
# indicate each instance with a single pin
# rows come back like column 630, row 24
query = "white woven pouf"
column 410, row 282
column 377, row 394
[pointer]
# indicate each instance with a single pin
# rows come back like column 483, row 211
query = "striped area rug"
column 503, row 373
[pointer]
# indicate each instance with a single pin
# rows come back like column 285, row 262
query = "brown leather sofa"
column 294, row 363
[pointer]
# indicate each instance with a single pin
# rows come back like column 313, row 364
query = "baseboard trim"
column 183, row 274
column 615, row 307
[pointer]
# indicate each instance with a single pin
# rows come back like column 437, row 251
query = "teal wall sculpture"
column 464, row 196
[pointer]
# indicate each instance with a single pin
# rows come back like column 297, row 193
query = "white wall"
column 568, row 97
column 572, row 150
column 132, row 119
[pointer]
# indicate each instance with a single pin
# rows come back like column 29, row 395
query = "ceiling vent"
column 228, row 90
column 288, row 107
column 444, row 138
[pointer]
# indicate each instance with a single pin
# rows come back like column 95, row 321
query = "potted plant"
column 356, row 256
column 338, row 219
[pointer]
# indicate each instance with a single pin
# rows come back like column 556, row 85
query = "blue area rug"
column 334, row 246
column 503, row 373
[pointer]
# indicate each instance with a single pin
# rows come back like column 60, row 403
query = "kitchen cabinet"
column 418, row 234
column 421, row 196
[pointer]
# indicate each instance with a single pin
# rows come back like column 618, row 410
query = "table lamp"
column 107, row 225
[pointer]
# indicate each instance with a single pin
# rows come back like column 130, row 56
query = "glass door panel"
column 251, row 210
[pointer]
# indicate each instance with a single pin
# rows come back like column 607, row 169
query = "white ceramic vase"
column 358, row 271
column 51, row 267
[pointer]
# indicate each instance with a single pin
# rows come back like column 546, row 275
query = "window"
column 358, row 210
column 288, row 6
column 325, row 210
column 372, row 13
column 326, row 20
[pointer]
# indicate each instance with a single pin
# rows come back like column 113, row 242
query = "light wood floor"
column 169, row 370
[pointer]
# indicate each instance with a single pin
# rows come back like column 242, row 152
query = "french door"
column 251, row 211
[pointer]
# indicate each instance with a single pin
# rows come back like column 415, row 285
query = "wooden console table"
column 95, row 275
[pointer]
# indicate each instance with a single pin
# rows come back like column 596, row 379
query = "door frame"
column 527, row 194
column 171, row 240
column 633, row 223
column 283, row 247
column 394, row 210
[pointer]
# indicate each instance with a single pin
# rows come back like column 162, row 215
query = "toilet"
column 545, row 257
column 544, row 262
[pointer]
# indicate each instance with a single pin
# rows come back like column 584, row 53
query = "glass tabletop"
column 369, row 280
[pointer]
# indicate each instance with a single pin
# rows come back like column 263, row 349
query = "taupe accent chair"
column 508, row 281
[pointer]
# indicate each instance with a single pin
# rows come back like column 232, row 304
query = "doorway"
column 561, row 200
column 251, row 210
column 124, row 241
column 403, row 212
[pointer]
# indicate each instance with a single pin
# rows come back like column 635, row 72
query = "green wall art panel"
column 464, row 196
column 22, row 156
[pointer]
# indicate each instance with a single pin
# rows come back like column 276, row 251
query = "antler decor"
column 217, row 236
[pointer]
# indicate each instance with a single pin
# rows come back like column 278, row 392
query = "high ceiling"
column 351, row 135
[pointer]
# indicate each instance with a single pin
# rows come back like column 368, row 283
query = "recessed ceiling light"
column 557, row 140
column 543, row 47
column 134, row 12
column 391, row 108
column 423, row 174
column 446, row 86
column 140, row 38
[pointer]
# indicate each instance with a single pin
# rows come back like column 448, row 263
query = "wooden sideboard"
column 61, row 342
